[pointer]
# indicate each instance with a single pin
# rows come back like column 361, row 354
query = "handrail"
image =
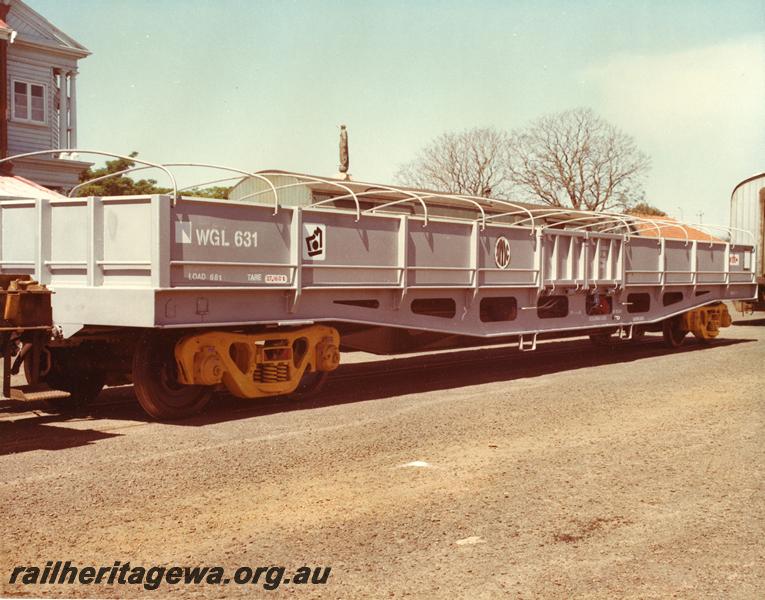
column 222, row 168
column 332, row 199
column 712, row 239
column 591, row 218
column 640, row 220
column 278, row 188
column 652, row 222
column 98, row 153
column 375, row 189
column 142, row 168
column 665, row 224
column 503, row 202
column 593, row 221
column 107, row 176
column 205, row 183
column 386, row 188
column 320, row 180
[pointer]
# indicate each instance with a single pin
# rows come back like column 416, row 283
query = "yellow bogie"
column 705, row 322
column 257, row 365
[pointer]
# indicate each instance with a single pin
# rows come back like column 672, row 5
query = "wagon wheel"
column 673, row 331
column 310, row 385
column 70, row 370
column 155, row 380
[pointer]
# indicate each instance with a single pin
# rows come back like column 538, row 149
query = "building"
column 39, row 64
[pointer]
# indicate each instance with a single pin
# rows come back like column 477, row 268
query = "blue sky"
column 259, row 85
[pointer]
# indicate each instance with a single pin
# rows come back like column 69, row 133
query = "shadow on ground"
column 375, row 380
column 750, row 322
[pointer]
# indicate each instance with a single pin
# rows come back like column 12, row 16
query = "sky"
column 259, row 85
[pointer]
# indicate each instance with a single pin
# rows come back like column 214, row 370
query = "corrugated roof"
column 20, row 187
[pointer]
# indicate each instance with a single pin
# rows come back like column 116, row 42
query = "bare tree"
column 471, row 162
column 576, row 159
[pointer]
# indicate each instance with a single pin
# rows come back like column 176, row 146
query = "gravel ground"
column 632, row 472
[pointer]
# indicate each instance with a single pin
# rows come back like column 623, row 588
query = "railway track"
column 375, row 378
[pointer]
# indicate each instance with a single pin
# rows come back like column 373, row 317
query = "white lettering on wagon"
column 202, row 276
column 214, row 236
column 275, row 278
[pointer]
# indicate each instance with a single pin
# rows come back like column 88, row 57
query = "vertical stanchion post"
column 7, row 368
column 296, row 257
column 403, row 258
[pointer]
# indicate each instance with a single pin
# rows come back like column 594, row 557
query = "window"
column 552, row 307
column 493, row 310
column 29, row 102
column 672, row 298
column 598, row 304
column 360, row 303
column 638, row 303
column 444, row 308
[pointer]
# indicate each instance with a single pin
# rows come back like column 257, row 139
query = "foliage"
column 643, row 208
column 570, row 159
column 217, row 191
column 577, row 159
column 119, row 185
column 124, row 185
column 468, row 162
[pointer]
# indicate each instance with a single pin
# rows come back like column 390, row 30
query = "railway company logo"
column 502, row 252
column 314, row 241
column 183, row 232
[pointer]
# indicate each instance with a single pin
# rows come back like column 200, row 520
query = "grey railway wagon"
column 258, row 292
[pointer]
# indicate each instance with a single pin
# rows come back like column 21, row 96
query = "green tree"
column 119, row 185
column 216, row 191
column 643, row 208
column 125, row 185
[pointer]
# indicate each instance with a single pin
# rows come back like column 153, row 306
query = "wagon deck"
column 156, row 261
